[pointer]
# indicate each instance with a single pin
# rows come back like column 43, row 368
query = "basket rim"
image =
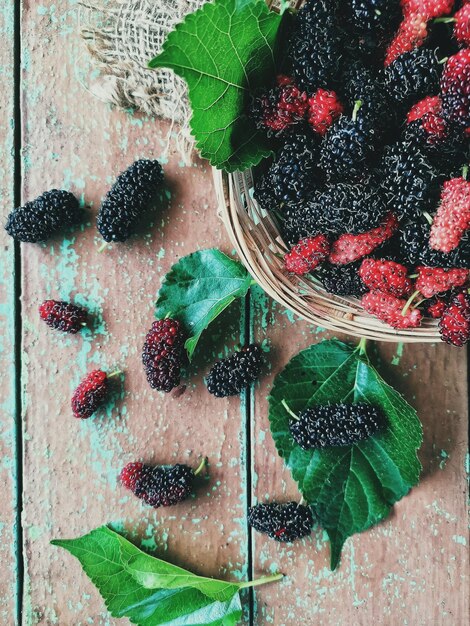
column 237, row 209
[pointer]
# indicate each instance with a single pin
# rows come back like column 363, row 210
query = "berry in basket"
column 374, row 167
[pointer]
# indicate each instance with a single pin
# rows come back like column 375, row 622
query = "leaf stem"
column 361, row 346
column 261, row 581
column 201, row 466
column 253, row 282
column 289, row 410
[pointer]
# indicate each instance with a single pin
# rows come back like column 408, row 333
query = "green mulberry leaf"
column 224, row 51
column 198, row 288
column 152, row 592
column 349, row 488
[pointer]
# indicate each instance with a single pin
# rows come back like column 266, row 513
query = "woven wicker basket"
column 255, row 235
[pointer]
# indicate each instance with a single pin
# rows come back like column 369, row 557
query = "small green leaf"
column 224, row 51
column 198, row 288
column 350, row 488
column 152, row 592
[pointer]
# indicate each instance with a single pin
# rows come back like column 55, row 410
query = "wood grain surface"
column 411, row 569
column 9, row 415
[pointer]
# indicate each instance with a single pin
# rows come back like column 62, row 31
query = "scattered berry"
column 279, row 108
column 307, row 255
column 335, row 425
column 230, row 376
column 130, row 196
column 44, row 217
column 452, row 219
column 63, row 316
column 412, row 75
column 164, row 485
column 455, row 89
column 300, row 220
column 281, row 522
column 342, row 280
column 349, row 248
column 435, row 280
column 454, row 324
column 90, row 394
column 324, row 108
column 162, row 354
column 386, row 276
column 462, row 26
column 389, row 309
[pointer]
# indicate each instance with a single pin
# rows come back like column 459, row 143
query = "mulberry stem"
column 202, row 465
column 465, row 172
column 291, row 413
column 103, row 246
column 261, row 581
column 408, row 303
column 114, row 374
column 428, row 217
column 357, row 106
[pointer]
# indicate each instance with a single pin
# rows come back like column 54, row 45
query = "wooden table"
column 59, row 475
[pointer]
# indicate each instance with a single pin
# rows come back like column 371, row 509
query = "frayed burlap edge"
column 121, row 37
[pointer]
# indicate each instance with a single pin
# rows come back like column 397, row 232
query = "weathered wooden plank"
column 411, row 569
column 70, row 471
column 8, row 408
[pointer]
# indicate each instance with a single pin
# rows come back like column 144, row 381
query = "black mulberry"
column 335, row 425
column 129, row 197
column 233, row 374
column 282, row 522
column 44, row 217
column 412, row 76
column 163, row 485
column 342, row 280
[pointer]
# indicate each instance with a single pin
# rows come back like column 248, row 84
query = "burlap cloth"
column 122, row 36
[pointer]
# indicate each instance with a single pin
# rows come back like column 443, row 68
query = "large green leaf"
column 224, row 51
column 152, row 592
column 354, row 487
column 198, row 288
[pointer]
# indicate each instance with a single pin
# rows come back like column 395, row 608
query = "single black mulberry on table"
column 163, row 485
column 44, row 217
column 342, row 280
column 282, row 522
column 162, row 354
column 130, row 196
column 63, row 316
column 335, row 425
column 235, row 373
